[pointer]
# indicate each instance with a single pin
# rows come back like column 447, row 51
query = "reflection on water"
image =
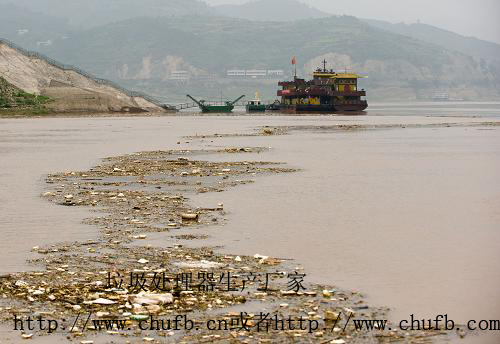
column 408, row 216
column 481, row 109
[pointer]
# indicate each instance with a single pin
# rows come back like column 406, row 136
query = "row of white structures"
column 239, row 73
column 255, row 73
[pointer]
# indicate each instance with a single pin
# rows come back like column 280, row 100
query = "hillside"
column 143, row 52
column 467, row 45
column 90, row 13
column 30, row 29
column 270, row 10
column 31, row 78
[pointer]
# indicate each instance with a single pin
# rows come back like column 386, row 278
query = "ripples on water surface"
column 408, row 216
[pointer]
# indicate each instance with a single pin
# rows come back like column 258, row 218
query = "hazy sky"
column 479, row 18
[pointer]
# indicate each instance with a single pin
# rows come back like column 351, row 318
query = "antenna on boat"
column 324, row 65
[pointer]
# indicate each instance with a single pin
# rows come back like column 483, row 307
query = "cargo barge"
column 215, row 107
column 327, row 92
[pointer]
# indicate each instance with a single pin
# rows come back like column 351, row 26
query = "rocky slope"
column 69, row 89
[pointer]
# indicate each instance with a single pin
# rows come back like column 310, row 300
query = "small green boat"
column 255, row 105
column 212, row 107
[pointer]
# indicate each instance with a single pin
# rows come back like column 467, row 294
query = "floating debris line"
column 113, row 277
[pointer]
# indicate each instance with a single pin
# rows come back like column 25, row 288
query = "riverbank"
column 399, row 109
column 42, row 112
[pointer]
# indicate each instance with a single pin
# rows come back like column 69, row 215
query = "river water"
column 410, row 217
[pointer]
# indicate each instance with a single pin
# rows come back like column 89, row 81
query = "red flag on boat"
column 294, row 60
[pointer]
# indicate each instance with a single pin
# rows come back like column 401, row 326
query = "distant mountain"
column 452, row 41
column 271, row 10
column 143, row 52
column 90, row 13
column 141, row 44
column 28, row 28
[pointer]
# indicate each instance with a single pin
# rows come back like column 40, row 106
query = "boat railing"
column 191, row 105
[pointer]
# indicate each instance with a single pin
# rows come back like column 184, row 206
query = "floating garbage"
column 102, row 301
column 93, row 270
column 151, row 299
column 203, row 264
column 68, row 199
column 328, row 293
column 258, row 256
column 189, row 216
column 331, row 316
column 139, row 317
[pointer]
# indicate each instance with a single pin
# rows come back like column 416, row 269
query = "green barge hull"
column 256, row 108
column 217, row 108
column 205, row 107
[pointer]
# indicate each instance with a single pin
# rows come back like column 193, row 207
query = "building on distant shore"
column 275, row 72
column 180, row 75
column 254, row 73
column 236, row 73
column 44, row 43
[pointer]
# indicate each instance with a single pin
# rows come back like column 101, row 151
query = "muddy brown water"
column 410, row 217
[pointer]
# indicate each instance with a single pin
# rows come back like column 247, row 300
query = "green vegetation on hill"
column 215, row 44
column 13, row 98
column 271, row 10
column 140, row 51
column 139, row 44
column 90, row 13
column 488, row 51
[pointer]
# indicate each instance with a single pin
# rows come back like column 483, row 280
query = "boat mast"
column 235, row 101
